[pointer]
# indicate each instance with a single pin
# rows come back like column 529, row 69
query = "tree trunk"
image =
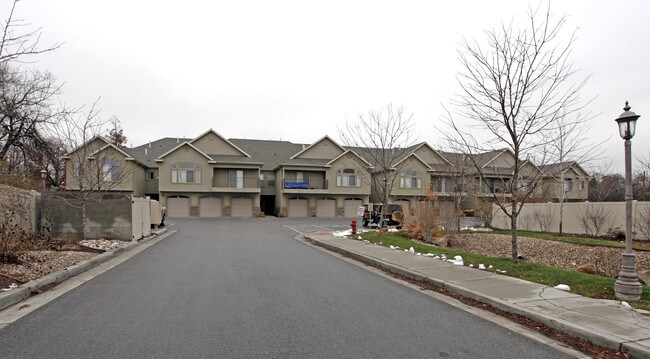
column 513, row 228
column 83, row 219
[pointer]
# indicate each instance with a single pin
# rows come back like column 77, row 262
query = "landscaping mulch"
column 553, row 253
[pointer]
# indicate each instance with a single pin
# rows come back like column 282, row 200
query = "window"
column 151, row 175
column 410, row 180
column 581, row 185
column 186, row 172
column 568, row 185
column 347, row 177
column 270, row 180
column 302, row 177
column 111, row 170
column 261, row 180
column 489, row 185
column 236, row 178
column 442, row 184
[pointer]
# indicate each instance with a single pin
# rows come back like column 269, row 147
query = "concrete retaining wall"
column 107, row 216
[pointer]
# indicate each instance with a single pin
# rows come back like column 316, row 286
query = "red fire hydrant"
column 354, row 226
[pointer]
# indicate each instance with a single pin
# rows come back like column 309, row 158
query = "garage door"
column 242, row 207
column 298, row 208
column 326, row 208
column 178, row 207
column 351, row 207
column 210, row 207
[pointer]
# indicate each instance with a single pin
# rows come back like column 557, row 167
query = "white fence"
column 140, row 217
column 593, row 218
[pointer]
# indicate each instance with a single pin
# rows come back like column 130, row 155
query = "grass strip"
column 587, row 285
column 575, row 240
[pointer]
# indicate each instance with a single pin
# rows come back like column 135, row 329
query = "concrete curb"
column 31, row 288
column 573, row 329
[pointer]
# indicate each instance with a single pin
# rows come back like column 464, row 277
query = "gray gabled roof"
column 147, row 153
column 270, row 153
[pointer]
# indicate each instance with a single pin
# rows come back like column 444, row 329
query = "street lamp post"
column 44, row 178
column 627, row 285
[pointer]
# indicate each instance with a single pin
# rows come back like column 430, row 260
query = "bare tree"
column 593, row 218
column 458, row 180
column 28, row 98
column 641, row 183
column 383, row 138
column 570, row 146
column 94, row 166
column 16, row 44
column 514, row 88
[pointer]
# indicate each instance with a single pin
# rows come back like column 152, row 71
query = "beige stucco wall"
column 363, row 176
column 212, row 144
column 412, row 164
column 614, row 212
column 184, row 154
column 93, row 171
column 324, row 149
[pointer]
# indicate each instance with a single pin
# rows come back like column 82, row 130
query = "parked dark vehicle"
column 393, row 216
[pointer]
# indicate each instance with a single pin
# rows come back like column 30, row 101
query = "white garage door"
column 242, row 207
column 326, row 208
column 210, row 207
column 178, row 207
column 298, row 208
column 351, row 207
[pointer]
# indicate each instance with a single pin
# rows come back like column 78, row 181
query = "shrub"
column 422, row 223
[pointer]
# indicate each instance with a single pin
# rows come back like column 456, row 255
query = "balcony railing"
column 311, row 185
column 235, row 182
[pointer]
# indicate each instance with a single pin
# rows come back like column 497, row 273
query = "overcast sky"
column 295, row 70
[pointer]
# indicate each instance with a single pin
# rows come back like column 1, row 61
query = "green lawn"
column 587, row 285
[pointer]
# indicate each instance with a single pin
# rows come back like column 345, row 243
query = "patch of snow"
column 481, row 266
column 418, row 254
column 471, row 266
column 625, row 304
column 429, row 255
column 393, row 230
column 411, row 250
column 359, row 238
column 491, row 266
column 342, row 233
column 12, row 286
column 392, row 247
column 563, row 287
column 476, row 229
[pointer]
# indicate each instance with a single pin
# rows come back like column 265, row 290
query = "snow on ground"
column 103, row 244
column 563, row 287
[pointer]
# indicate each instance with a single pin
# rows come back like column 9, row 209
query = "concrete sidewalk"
column 603, row 322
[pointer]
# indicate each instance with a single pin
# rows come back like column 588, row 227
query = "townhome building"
column 211, row 176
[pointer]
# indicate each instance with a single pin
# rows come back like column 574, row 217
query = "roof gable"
column 430, row 155
column 184, row 144
column 411, row 157
column 213, row 143
column 325, row 148
column 347, row 154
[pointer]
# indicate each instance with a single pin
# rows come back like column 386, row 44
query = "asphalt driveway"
column 246, row 288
